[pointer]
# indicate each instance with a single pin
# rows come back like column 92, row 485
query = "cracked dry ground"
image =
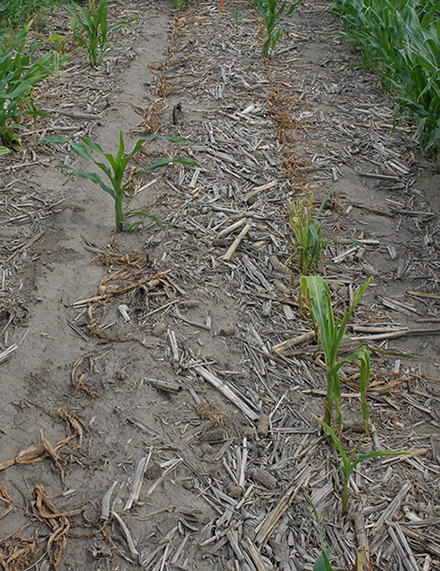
column 191, row 389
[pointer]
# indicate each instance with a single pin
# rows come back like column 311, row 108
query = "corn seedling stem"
column 349, row 463
column 330, row 334
column 323, row 561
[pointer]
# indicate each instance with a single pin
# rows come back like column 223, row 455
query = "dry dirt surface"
column 177, row 433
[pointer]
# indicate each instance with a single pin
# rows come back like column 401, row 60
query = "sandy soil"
column 81, row 392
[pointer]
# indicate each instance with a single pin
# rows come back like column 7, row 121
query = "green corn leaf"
column 94, row 146
column 323, row 562
column 164, row 161
column 357, row 298
column 145, row 214
column 321, row 311
column 115, row 27
column 335, row 439
column 82, row 150
column 324, row 202
column 378, row 453
column 364, row 380
column 59, row 140
column 121, row 149
column 90, row 176
column 359, row 354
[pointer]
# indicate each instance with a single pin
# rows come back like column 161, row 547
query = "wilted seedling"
column 330, row 334
column 91, row 30
column 309, row 243
column 349, row 463
column 118, row 165
column 307, row 234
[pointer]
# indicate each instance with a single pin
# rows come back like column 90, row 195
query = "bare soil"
column 190, row 387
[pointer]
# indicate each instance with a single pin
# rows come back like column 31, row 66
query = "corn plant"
column 235, row 15
column 18, row 76
column 349, row 463
column 273, row 14
column 309, row 243
column 180, row 4
column 330, row 334
column 308, row 240
column 4, row 150
column 91, row 30
column 323, row 561
column 115, row 174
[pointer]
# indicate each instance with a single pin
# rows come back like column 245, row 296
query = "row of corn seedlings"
column 398, row 39
column 272, row 14
column 15, row 13
column 401, row 41
column 315, row 294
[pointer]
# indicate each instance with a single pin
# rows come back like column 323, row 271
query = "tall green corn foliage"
column 401, row 40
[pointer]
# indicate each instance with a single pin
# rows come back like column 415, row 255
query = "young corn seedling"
column 273, row 13
column 330, row 334
column 15, row 13
column 349, row 463
column 309, row 243
column 235, row 15
column 18, row 76
column 91, row 30
column 116, row 169
column 323, row 561
column 180, row 4
column 308, row 240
